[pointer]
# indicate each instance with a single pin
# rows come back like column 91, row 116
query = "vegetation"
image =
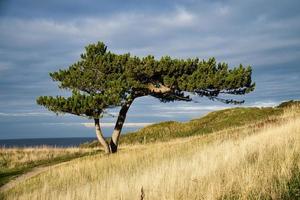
column 16, row 161
column 289, row 104
column 250, row 162
column 214, row 121
column 102, row 79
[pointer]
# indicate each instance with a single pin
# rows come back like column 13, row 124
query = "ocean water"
column 53, row 142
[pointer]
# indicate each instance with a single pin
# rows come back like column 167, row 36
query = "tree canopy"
column 102, row 79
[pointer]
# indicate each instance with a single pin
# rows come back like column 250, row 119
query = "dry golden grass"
column 15, row 157
column 232, row 164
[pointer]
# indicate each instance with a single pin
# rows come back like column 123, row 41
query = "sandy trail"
column 34, row 172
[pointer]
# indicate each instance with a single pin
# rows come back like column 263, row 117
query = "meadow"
column 260, row 160
column 17, row 161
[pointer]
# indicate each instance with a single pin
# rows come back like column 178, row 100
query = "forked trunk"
column 118, row 127
column 100, row 136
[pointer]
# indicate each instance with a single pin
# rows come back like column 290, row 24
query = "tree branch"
column 227, row 101
column 158, row 88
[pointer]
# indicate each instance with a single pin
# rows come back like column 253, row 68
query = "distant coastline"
column 53, row 142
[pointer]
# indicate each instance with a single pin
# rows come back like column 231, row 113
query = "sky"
column 38, row 37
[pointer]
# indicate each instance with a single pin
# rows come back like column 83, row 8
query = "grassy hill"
column 214, row 121
column 255, row 160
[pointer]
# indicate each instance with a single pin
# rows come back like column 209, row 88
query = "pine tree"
column 102, row 79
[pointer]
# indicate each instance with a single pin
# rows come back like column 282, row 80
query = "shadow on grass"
column 293, row 191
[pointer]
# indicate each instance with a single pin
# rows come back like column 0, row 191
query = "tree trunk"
column 100, row 137
column 118, row 127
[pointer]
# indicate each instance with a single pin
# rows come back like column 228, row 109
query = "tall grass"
column 15, row 157
column 231, row 164
column 16, row 161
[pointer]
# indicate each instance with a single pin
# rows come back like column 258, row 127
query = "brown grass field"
column 249, row 162
column 15, row 157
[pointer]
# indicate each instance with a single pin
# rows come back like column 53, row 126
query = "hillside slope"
column 214, row 121
column 259, row 161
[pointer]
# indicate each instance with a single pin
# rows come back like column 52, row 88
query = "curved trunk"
column 118, row 127
column 100, row 136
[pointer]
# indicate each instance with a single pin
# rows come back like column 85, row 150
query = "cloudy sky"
column 38, row 37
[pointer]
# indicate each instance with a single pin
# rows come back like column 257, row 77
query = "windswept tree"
column 100, row 72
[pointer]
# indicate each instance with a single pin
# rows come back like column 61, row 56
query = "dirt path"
column 34, row 172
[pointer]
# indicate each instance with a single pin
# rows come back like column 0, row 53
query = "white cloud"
column 264, row 104
column 102, row 124
column 180, row 18
column 25, row 114
column 182, row 108
column 223, row 10
column 107, row 124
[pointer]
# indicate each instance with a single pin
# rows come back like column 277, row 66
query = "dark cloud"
column 70, row 9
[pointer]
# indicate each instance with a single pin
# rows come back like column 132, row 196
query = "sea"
column 53, row 142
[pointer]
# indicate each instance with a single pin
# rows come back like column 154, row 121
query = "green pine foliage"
column 101, row 79
column 90, row 106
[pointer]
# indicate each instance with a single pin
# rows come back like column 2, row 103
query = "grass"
column 247, row 162
column 214, row 121
column 16, row 161
column 293, row 186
